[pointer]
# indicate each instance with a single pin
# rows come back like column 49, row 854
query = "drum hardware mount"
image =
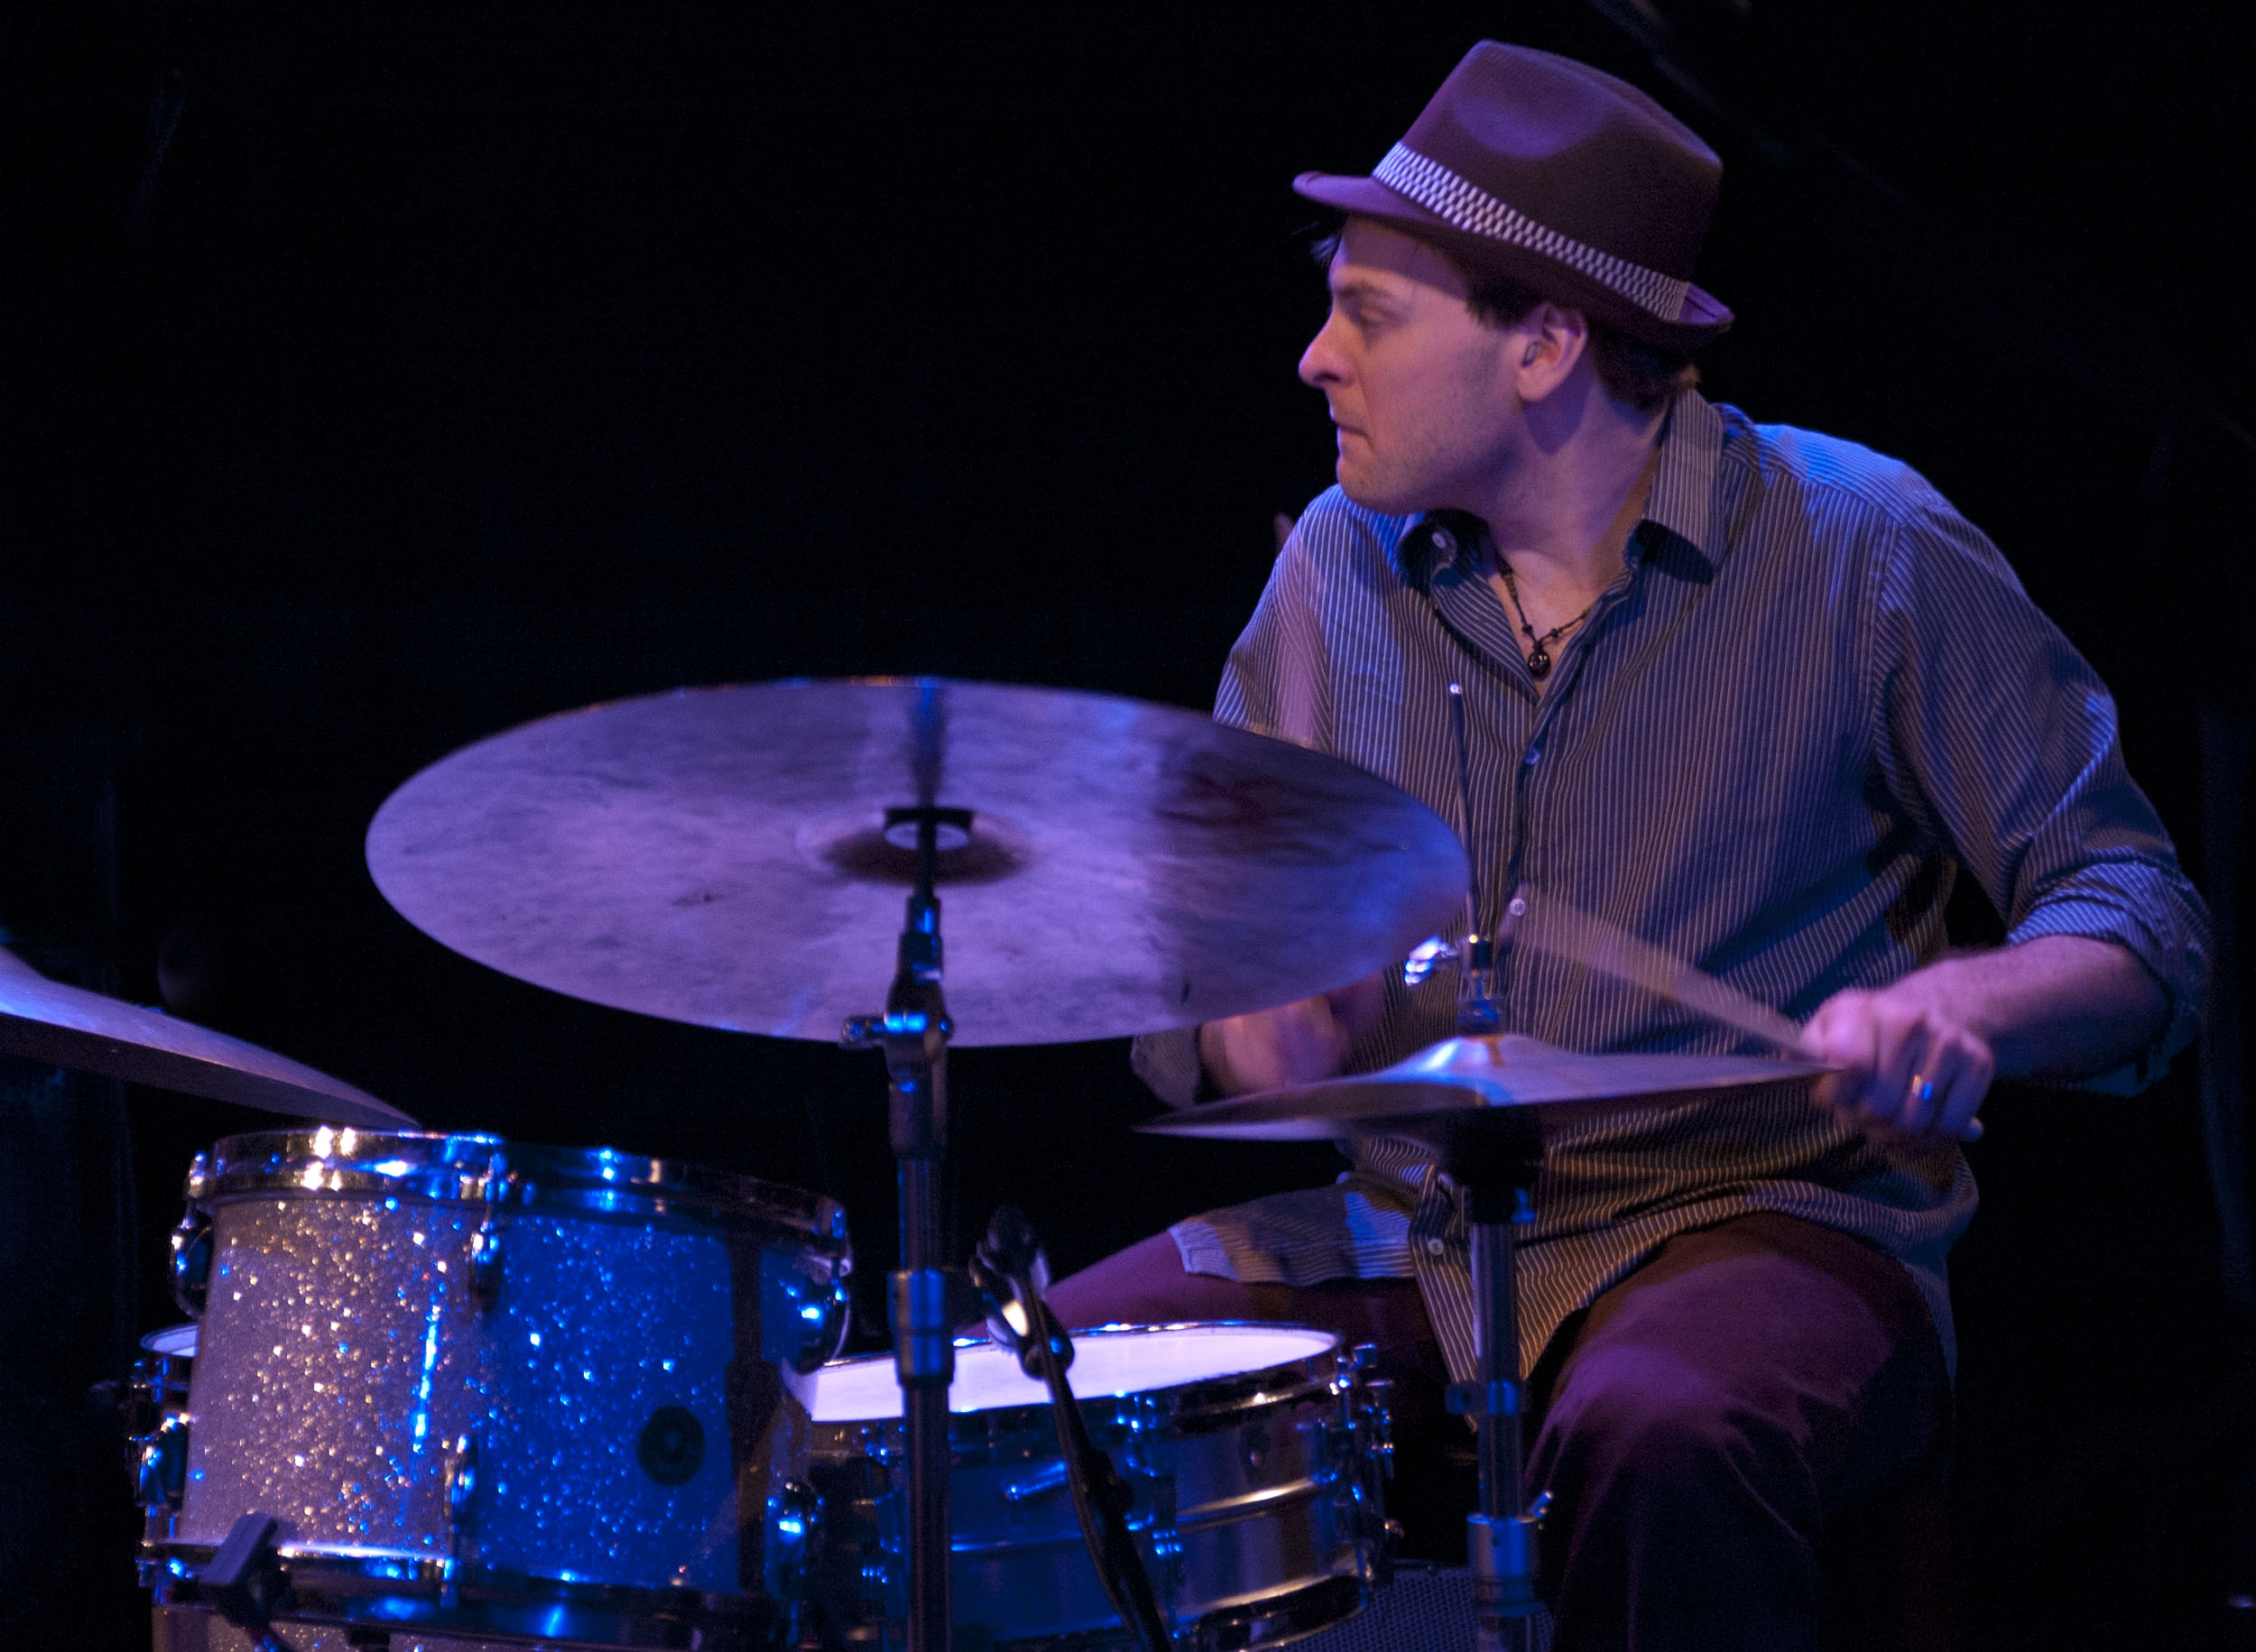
column 245, row 1583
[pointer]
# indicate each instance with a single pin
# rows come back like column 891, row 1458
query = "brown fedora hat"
column 1563, row 178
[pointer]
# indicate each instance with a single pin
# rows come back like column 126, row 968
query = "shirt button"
column 1444, row 542
column 1517, row 908
column 1434, row 1246
column 1534, row 752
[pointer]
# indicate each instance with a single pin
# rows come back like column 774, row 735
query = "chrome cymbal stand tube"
column 1478, row 1009
column 913, row 1035
column 1501, row 1539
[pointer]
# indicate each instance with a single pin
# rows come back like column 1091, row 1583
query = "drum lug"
column 1363, row 1456
column 156, row 1438
column 161, row 1465
column 1146, row 1472
column 804, row 1313
column 794, row 1542
column 1366, row 1408
column 1378, row 1421
column 462, row 1487
column 1047, row 1481
column 485, row 1244
column 485, row 1266
column 1160, row 1532
column 192, row 1260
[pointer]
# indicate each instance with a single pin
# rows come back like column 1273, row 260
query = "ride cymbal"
column 722, row 856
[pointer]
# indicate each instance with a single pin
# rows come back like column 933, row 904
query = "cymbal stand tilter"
column 913, row 1035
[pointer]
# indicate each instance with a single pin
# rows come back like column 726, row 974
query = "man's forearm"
column 2059, row 1007
column 1919, row 1054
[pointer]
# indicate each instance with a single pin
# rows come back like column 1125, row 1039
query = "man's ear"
column 1554, row 341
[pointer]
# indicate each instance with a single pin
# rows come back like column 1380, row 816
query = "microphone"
column 1011, row 1272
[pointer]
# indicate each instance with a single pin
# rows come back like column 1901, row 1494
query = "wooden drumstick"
column 1549, row 925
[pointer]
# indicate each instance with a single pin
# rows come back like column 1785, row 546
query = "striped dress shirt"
column 1813, row 694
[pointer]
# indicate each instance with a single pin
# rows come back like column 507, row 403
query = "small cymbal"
column 722, row 856
column 1442, row 1093
column 67, row 1025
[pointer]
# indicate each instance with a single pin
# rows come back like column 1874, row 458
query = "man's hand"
column 1918, row 1056
column 1294, row 1043
column 1909, row 1061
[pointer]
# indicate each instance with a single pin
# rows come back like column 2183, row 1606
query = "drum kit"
column 453, row 1392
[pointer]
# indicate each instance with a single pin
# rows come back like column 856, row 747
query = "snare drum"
column 487, row 1387
column 1254, row 1452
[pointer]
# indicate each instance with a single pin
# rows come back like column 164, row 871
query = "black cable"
column 1101, row 1497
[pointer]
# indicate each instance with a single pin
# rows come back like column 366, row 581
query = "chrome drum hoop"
column 1183, row 1410
column 1258, row 1504
column 460, row 1170
column 406, row 1595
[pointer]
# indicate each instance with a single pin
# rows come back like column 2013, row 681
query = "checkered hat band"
column 1476, row 211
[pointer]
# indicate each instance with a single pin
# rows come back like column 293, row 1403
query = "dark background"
column 380, row 377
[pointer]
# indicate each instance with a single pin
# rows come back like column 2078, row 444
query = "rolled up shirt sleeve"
column 1277, row 682
column 1168, row 1062
column 1998, row 738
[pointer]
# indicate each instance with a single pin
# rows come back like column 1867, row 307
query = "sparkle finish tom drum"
column 494, row 1388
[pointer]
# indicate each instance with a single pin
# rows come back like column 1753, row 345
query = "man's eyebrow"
column 1361, row 287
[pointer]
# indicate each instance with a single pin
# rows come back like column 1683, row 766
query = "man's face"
column 1418, row 387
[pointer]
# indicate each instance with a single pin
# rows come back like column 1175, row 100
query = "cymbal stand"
column 1496, row 1167
column 913, row 1035
column 1496, row 1175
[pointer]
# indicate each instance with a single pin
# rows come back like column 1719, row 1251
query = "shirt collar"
column 1686, row 499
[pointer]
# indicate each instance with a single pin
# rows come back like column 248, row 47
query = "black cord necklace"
column 1538, row 656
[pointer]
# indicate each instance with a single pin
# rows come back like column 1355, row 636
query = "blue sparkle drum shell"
column 1255, row 1454
column 508, row 1388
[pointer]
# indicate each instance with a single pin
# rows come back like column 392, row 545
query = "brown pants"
column 1746, row 1439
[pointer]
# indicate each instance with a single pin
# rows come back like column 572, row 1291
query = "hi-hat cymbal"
column 70, row 1026
column 721, row 856
column 1461, row 1087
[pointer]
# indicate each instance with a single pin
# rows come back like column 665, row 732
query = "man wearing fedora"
column 1756, row 696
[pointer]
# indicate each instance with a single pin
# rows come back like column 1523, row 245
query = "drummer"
column 1758, row 695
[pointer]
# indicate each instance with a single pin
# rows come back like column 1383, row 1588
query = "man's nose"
column 1321, row 365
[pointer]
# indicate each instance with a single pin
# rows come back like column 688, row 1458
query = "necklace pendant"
column 1539, row 663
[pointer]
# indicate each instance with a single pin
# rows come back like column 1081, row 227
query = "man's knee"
column 1144, row 1285
column 1637, row 1417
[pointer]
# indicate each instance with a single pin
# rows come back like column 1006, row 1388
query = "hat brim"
column 1702, row 319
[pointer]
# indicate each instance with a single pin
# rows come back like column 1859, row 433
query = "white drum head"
column 176, row 1341
column 1113, row 1361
